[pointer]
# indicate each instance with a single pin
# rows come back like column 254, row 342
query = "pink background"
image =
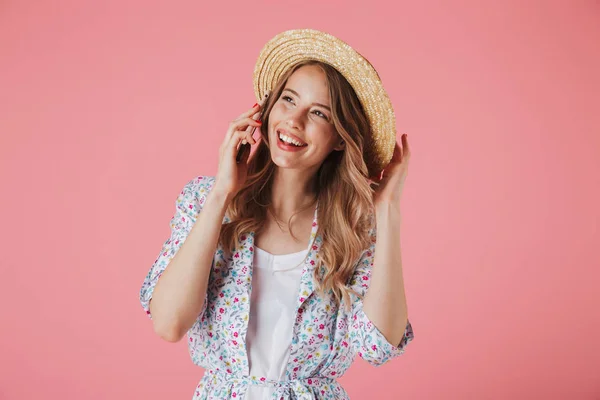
column 108, row 108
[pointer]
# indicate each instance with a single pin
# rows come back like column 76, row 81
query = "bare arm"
column 385, row 301
column 179, row 294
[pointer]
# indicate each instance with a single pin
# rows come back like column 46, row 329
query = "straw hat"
column 291, row 47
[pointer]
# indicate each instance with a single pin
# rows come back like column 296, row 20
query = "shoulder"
column 199, row 186
column 193, row 194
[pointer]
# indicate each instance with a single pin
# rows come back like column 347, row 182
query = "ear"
column 340, row 146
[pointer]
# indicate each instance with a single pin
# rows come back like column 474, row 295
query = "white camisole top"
column 275, row 285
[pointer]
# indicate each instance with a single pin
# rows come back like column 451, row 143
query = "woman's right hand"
column 231, row 175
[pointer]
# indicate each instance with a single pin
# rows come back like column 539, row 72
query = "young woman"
column 272, row 268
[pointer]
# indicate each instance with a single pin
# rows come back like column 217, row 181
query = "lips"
column 286, row 133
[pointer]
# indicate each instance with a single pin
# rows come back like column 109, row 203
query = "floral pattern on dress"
column 326, row 339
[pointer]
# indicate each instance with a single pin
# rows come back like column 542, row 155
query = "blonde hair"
column 341, row 184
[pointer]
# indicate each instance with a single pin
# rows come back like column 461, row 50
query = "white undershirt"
column 275, row 284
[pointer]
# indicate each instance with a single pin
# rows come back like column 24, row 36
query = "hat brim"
column 289, row 48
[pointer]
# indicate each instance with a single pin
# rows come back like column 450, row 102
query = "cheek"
column 324, row 140
column 275, row 116
column 329, row 135
column 278, row 109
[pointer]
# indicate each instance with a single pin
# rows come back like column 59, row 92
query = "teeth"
column 288, row 139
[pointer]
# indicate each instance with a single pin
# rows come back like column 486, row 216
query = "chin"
column 281, row 162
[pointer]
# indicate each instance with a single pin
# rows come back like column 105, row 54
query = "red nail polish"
column 255, row 104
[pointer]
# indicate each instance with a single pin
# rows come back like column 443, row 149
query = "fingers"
column 241, row 130
column 261, row 103
column 242, row 122
column 248, row 138
column 255, row 110
column 256, row 116
column 241, row 125
column 246, row 157
column 250, row 112
column 235, row 142
column 247, row 119
column 405, row 146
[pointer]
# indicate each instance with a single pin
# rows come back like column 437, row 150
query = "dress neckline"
column 281, row 255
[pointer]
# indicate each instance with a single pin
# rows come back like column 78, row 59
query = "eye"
column 320, row 114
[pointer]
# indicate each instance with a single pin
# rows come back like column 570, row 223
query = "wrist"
column 220, row 196
column 387, row 210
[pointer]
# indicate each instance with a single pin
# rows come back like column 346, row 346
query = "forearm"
column 385, row 301
column 179, row 294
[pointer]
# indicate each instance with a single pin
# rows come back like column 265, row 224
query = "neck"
column 292, row 190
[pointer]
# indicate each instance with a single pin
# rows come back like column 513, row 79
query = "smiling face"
column 301, row 130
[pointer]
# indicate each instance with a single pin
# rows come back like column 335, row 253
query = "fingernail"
column 259, row 122
column 244, row 141
column 255, row 104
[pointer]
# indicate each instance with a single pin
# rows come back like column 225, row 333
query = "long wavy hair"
column 344, row 193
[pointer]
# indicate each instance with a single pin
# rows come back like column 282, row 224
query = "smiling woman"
column 281, row 312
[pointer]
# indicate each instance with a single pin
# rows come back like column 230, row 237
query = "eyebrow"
column 316, row 104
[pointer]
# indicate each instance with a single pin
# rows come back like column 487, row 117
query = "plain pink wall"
column 108, row 108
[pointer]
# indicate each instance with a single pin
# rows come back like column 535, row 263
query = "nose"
column 294, row 119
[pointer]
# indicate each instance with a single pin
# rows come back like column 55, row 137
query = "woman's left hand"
column 391, row 183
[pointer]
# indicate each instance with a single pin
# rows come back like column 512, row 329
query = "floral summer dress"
column 326, row 339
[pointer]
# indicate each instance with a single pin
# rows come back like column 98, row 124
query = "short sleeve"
column 366, row 339
column 187, row 207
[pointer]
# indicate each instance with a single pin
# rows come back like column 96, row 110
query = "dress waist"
column 219, row 384
column 223, row 376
